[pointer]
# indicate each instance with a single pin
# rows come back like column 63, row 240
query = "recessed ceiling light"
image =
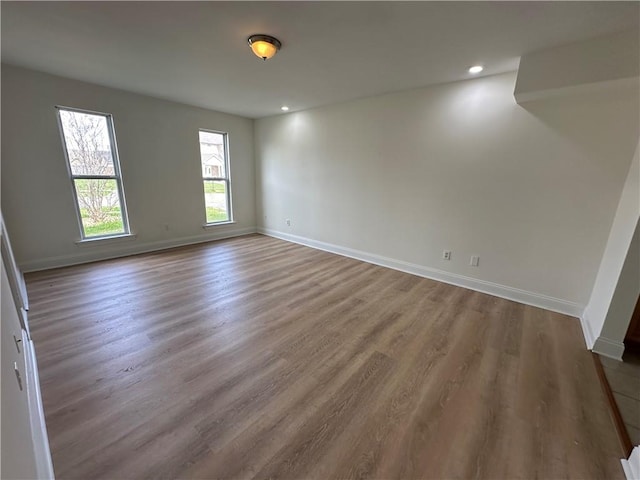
column 284, row 108
column 476, row 69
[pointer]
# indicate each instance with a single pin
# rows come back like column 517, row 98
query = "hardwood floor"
column 254, row 357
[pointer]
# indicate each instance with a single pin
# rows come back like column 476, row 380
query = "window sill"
column 106, row 240
column 217, row 224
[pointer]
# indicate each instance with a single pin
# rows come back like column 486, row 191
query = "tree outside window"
column 89, row 144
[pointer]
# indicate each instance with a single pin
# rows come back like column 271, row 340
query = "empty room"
column 320, row 240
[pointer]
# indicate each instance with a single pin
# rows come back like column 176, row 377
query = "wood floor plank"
column 258, row 358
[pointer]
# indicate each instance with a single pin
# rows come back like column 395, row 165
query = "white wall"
column 588, row 63
column 400, row 177
column 159, row 156
column 617, row 252
column 626, row 294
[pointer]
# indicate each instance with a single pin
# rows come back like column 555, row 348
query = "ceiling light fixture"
column 476, row 69
column 264, row 46
column 284, row 108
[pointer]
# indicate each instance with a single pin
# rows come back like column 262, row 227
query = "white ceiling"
column 196, row 52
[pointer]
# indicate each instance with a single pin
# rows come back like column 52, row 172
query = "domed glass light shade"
column 264, row 46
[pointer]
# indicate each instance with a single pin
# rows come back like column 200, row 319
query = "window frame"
column 227, row 179
column 117, row 174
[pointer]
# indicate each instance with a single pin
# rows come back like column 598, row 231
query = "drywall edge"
column 614, row 255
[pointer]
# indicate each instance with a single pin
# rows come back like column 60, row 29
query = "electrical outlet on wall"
column 475, row 261
column 288, row 222
column 446, row 255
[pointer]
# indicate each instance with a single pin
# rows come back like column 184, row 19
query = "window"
column 215, row 176
column 90, row 148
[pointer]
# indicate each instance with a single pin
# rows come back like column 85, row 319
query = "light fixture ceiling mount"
column 264, row 46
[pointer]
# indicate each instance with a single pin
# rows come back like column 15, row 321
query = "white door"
column 18, row 455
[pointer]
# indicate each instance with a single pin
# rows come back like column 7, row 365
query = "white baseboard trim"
column 608, row 348
column 631, row 467
column 128, row 248
column 495, row 289
column 589, row 337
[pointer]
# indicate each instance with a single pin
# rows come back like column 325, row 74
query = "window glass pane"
column 100, row 208
column 215, row 201
column 88, row 146
column 212, row 154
